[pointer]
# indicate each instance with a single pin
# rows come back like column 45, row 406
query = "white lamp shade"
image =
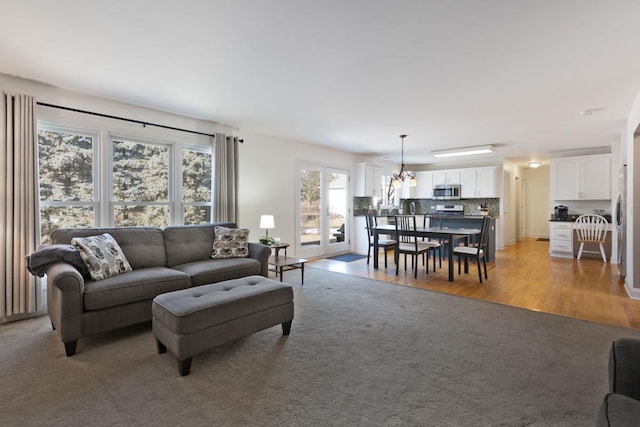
column 267, row 222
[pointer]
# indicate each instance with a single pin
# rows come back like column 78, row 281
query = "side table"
column 285, row 263
column 278, row 246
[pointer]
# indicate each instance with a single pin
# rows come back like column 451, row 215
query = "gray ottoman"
column 191, row 321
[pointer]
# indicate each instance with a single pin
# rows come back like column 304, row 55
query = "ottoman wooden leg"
column 286, row 327
column 161, row 347
column 185, row 366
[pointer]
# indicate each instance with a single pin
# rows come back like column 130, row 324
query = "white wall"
column 267, row 174
column 536, row 201
column 53, row 95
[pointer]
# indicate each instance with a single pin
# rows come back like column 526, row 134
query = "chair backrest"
column 591, row 228
column 371, row 223
column 406, row 223
column 484, row 233
column 432, row 220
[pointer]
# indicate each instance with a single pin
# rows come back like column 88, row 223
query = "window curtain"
column 225, row 178
column 19, row 235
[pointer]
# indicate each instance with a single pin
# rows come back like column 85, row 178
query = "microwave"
column 446, row 192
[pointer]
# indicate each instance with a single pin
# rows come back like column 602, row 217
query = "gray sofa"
column 162, row 260
column 621, row 406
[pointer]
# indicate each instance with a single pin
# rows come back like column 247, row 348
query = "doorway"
column 322, row 225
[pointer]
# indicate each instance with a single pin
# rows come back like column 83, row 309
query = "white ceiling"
column 352, row 74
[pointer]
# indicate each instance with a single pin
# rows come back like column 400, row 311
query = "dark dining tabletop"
column 449, row 234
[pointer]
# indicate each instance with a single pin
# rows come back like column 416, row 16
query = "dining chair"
column 409, row 244
column 591, row 228
column 435, row 221
column 386, row 244
column 476, row 252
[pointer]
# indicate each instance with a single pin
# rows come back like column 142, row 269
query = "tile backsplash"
column 471, row 206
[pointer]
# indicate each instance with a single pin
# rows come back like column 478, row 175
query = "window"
column 141, row 193
column 89, row 179
column 65, row 172
column 196, row 185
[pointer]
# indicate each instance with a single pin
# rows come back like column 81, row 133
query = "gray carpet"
column 360, row 353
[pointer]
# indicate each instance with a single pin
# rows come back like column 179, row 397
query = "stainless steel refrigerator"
column 621, row 221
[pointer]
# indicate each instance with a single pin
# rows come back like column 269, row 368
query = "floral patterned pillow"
column 102, row 255
column 230, row 242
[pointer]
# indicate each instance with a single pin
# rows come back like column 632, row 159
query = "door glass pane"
column 337, row 206
column 310, row 207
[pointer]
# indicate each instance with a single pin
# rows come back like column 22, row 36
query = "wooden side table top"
column 282, row 261
column 278, row 246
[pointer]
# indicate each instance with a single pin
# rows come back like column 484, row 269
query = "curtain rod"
column 127, row 120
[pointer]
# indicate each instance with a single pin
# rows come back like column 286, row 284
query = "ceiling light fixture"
column 404, row 174
column 534, row 164
column 478, row 149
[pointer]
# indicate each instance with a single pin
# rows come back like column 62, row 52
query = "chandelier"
column 404, row 174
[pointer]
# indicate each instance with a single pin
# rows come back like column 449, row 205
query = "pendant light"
column 404, row 174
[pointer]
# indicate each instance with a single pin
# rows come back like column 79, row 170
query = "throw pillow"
column 230, row 242
column 102, row 255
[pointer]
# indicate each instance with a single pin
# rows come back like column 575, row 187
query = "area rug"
column 347, row 257
column 542, row 239
column 360, row 353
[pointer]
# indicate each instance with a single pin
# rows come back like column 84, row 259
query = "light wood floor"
column 523, row 275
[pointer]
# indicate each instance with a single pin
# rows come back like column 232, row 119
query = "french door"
column 322, row 211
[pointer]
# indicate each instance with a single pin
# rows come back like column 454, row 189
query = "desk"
column 284, row 263
column 449, row 234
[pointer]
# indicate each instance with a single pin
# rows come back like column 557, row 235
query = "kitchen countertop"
column 572, row 218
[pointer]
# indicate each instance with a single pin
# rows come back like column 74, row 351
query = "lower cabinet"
column 561, row 239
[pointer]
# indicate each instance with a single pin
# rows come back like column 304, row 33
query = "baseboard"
column 634, row 293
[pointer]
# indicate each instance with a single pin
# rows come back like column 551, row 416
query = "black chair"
column 386, row 244
column 409, row 244
column 476, row 252
column 435, row 221
column 339, row 234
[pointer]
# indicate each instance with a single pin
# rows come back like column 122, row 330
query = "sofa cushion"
column 230, row 242
column 102, row 255
column 143, row 246
column 189, row 243
column 217, row 270
column 137, row 285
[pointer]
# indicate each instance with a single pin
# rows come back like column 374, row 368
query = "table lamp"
column 267, row 222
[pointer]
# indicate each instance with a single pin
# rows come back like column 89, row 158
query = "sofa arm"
column 624, row 367
column 618, row 410
column 261, row 253
column 65, row 289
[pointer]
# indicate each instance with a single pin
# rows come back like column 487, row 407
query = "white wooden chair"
column 591, row 228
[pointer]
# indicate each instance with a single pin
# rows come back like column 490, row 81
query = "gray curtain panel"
column 19, row 234
column 226, row 178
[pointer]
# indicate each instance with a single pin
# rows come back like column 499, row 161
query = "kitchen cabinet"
column 451, row 176
column 368, row 180
column 478, row 182
column 561, row 239
column 424, row 185
column 581, row 178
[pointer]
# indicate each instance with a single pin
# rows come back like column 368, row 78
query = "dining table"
column 451, row 235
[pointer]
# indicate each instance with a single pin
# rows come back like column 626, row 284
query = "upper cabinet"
column 581, row 178
column 478, row 182
column 424, row 185
column 446, row 177
column 368, row 180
